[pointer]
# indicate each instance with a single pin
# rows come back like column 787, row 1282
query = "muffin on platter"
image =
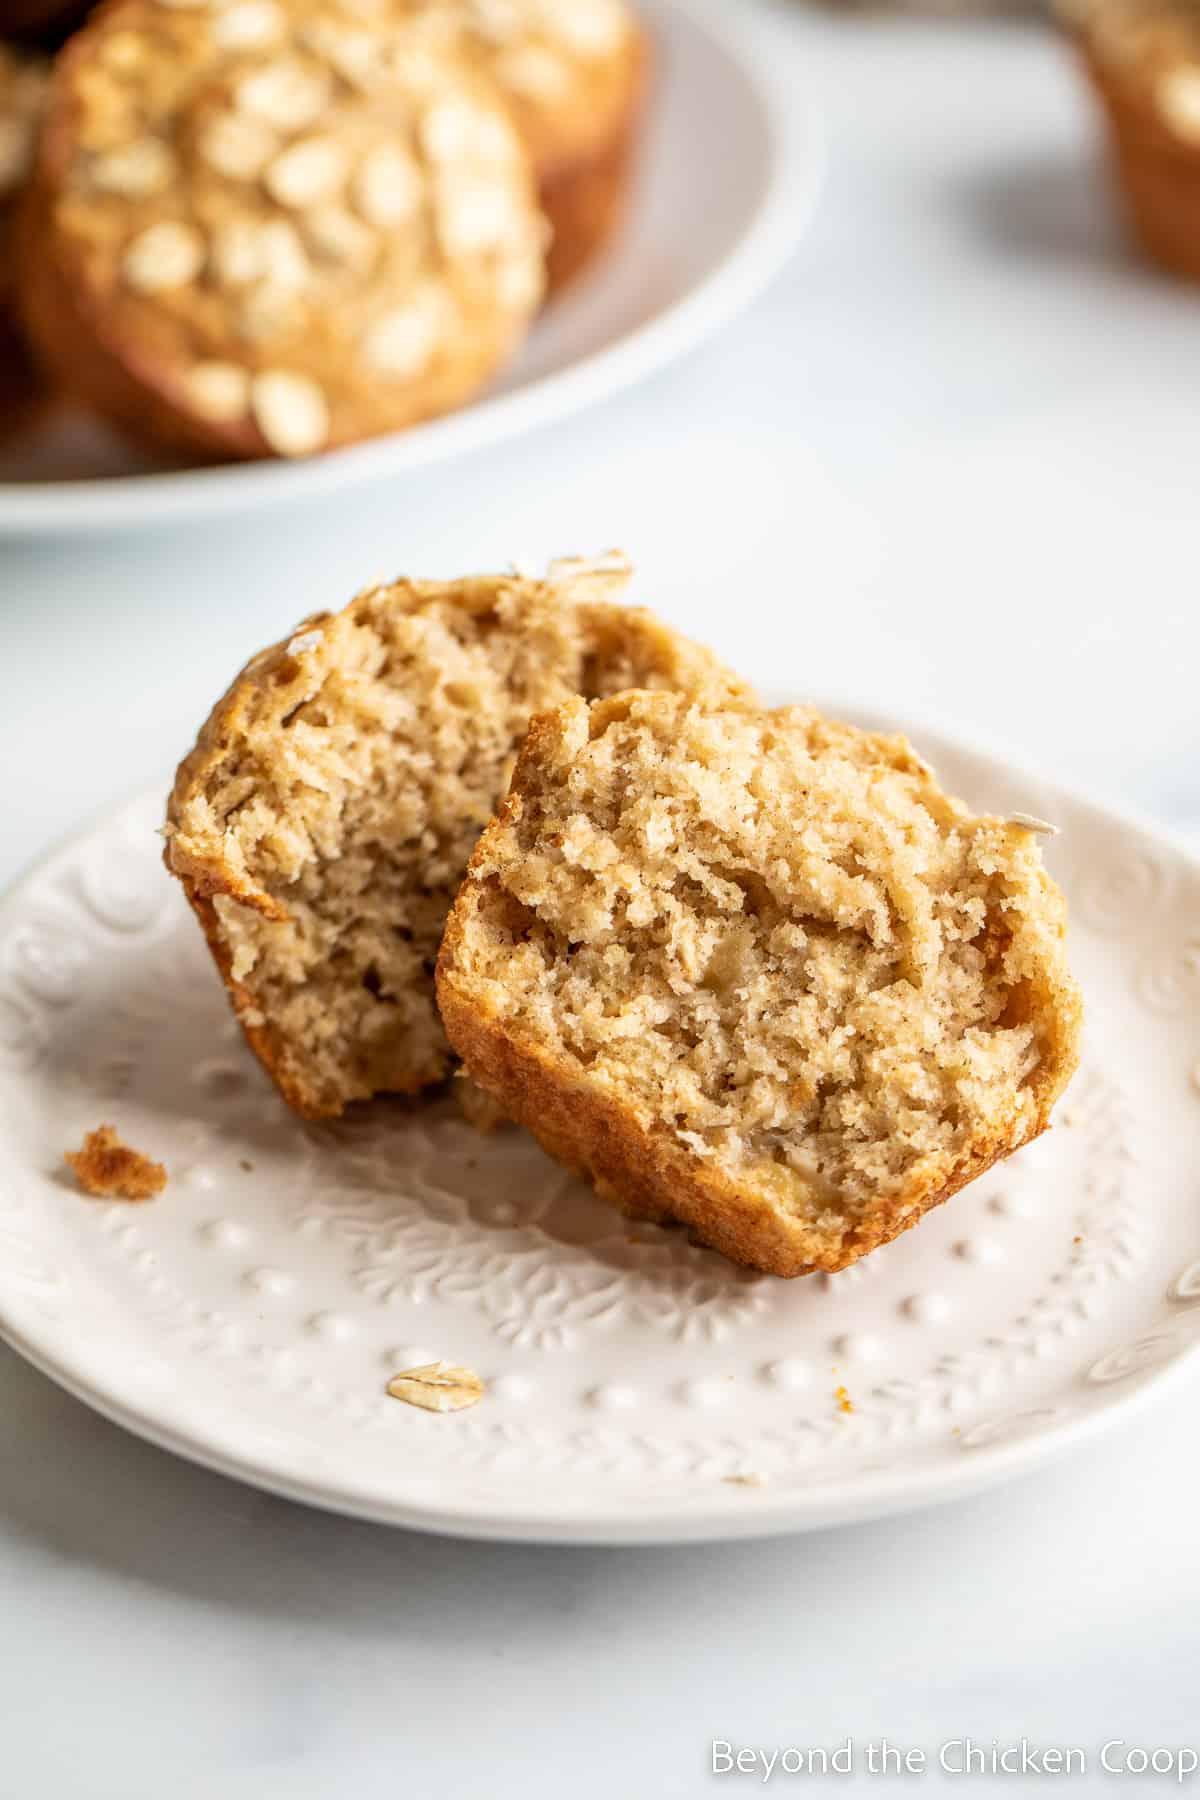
column 44, row 21
column 23, row 80
column 260, row 229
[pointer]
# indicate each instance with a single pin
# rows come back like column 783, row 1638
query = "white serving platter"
column 638, row 1388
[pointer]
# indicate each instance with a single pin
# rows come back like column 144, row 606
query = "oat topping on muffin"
column 284, row 228
column 574, row 74
column 1157, row 43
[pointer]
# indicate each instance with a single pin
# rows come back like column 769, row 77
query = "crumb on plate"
column 111, row 1170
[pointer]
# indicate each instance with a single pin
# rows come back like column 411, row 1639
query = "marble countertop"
column 947, row 463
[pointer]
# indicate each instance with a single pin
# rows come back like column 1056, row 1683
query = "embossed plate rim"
column 733, row 1514
column 714, row 1510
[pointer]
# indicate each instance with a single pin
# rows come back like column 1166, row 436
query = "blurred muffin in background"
column 265, row 229
column 23, row 81
column 575, row 74
column 1143, row 57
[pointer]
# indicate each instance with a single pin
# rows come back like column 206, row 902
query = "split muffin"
column 757, row 974
column 1143, row 58
column 46, row 21
column 323, row 822
column 265, row 229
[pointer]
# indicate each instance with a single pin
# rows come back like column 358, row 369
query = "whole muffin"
column 1143, row 58
column 264, row 229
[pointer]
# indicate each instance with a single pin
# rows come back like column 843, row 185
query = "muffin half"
column 1143, row 58
column 323, row 822
column 758, row 974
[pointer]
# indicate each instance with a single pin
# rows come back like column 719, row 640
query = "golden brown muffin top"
column 324, row 820
column 566, row 67
column 291, row 215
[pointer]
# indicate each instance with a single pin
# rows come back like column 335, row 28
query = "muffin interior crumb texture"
column 324, row 821
column 777, row 948
column 111, row 1170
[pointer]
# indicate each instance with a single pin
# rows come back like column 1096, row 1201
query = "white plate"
column 639, row 1388
column 726, row 185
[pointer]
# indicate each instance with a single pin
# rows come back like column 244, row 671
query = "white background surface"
column 948, row 461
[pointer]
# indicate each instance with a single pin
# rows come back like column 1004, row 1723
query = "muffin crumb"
column 112, row 1170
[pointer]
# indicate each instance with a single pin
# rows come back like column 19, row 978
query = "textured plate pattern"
column 638, row 1387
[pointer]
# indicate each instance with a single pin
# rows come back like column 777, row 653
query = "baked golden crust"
column 47, row 20
column 585, row 200
column 1143, row 61
column 576, row 74
column 570, row 1072
column 24, row 76
column 567, row 69
column 324, row 819
column 259, row 230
